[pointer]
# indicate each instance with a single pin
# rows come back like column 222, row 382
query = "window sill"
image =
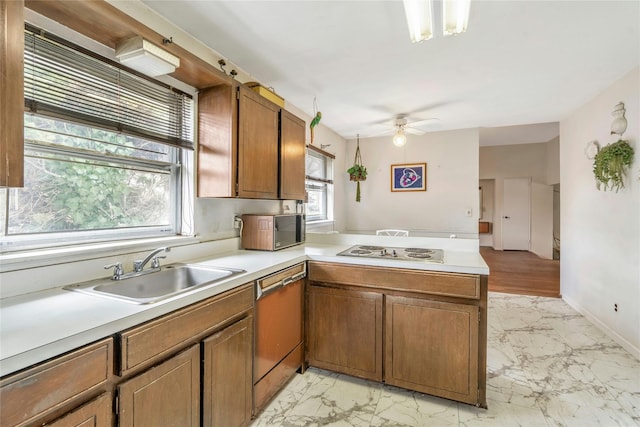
column 57, row 255
column 313, row 225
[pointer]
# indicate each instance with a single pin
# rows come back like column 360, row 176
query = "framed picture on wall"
column 409, row 177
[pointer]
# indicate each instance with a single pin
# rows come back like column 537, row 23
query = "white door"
column 516, row 208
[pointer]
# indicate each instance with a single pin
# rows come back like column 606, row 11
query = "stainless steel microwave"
column 272, row 232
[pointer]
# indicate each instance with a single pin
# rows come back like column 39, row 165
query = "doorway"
column 516, row 218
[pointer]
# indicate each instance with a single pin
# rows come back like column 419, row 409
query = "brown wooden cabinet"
column 434, row 327
column 432, row 347
column 51, row 389
column 170, row 393
column 247, row 146
column 345, row 331
column 12, row 90
column 227, row 380
column 96, row 413
column 292, row 156
column 167, row 394
column 258, row 127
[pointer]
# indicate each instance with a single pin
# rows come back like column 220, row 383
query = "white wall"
column 542, row 220
column 517, row 161
column 600, row 260
column 452, row 185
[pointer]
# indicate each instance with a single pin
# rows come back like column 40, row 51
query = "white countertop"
column 37, row 326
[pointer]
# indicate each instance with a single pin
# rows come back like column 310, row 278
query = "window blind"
column 67, row 81
column 316, row 165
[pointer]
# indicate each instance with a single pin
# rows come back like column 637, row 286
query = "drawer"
column 142, row 345
column 56, row 385
column 397, row 279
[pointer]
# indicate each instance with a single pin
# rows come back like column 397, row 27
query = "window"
column 104, row 150
column 319, row 184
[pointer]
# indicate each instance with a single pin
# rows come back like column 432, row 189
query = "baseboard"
column 635, row 351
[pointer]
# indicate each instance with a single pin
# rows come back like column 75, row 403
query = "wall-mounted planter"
column 610, row 165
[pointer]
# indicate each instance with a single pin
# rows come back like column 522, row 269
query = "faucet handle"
column 155, row 261
column 117, row 270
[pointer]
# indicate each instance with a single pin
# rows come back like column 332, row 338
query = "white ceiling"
column 519, row 63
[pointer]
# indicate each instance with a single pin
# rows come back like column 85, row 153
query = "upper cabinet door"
column 292, row 157
column 217, row 141
column 257, row 146
column 12, row 99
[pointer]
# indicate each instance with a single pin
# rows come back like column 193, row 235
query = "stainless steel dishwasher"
column 279, row 350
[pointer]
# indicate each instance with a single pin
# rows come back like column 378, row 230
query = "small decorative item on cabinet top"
column 357, row 172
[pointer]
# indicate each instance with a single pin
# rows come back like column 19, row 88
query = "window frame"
column 325, row 181
column 180, row 170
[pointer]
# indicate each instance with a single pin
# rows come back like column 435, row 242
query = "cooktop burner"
column 395, row 253
column 371, row 248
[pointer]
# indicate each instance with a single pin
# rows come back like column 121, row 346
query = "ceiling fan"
column 401, row 125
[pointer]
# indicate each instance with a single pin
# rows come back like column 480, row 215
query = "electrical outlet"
column 469, row 212
column 237, row 222
column 615, row 307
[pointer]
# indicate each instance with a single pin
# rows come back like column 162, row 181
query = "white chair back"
column 392, row 232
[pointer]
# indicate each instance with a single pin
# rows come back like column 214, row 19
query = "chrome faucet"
column 138, row 265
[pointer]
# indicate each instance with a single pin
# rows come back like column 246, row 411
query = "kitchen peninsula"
column 396, row 292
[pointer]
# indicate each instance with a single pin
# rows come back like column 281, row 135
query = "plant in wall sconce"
column 611, row 162
column 357, row 172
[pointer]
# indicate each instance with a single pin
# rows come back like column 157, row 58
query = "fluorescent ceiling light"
column 455, row 16
column 419, row 19
column 145, row 57
column 421, row 13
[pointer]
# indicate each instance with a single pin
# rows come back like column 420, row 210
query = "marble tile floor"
column 546, row 366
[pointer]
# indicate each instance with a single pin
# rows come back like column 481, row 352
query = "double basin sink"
column 169, row 281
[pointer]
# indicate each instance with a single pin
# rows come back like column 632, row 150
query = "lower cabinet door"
column 165, row 395
column 96, row 413
column 345, row 331
column 432, row 347
column 227, row 376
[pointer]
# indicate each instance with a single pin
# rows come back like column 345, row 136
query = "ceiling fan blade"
column 424, row 122
column 382, row 133
column 414, row 131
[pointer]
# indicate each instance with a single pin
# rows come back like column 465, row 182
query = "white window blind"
column 67, row 81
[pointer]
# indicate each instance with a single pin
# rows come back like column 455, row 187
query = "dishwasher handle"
column 281, row 284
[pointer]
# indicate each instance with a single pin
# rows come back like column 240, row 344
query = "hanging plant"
column 357, row 172
column 611, row 163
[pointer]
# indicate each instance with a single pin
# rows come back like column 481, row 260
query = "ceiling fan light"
column 399, row 139
column 419, row 19
column 455, row 16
